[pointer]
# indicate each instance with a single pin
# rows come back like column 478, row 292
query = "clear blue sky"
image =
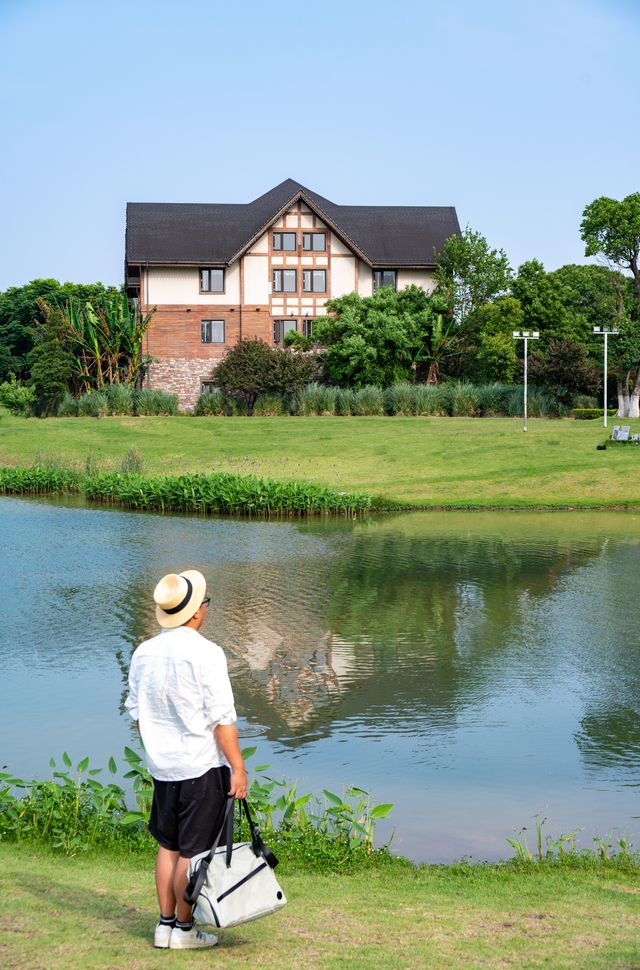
column 518, row 114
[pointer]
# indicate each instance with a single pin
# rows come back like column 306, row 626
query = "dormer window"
column 384, row 277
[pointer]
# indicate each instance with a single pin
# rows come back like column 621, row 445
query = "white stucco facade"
column 180, row 285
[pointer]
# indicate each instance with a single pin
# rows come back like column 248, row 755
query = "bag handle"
column 192, row 891
column 257, row 844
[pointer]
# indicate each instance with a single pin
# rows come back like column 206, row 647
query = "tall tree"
column 21, row 318
column 51, row 362
column 611, row 229
column 469, row 273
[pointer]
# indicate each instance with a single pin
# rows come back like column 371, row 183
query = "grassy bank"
column 444, row 462
column 97, row 911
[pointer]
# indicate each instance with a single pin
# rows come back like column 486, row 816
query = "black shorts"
column 186, row 815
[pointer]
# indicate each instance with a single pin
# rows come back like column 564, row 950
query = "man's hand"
column 238, row 783
column 227, row 739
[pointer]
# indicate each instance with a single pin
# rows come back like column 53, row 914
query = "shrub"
column 588, row 414
column 252, row 368
column 269, row 405
column 318, row 399
column 16, row 397
column 368, row 400
column 344, row 401
column 400, row 398
column 93, row 405
column 68, row 407
column 152, row 402
column 119, row 398
column 464, row 402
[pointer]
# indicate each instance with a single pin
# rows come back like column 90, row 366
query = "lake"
column 474, row 669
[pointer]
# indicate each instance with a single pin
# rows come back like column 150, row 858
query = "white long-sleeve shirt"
column 179, row 691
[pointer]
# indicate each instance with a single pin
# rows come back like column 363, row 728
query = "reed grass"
column 221, row 493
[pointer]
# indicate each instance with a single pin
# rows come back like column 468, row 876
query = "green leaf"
column 248, row 753
column 66, row 759
column 381, row 811
column 132, row 756
column 52, row 763
column 111, row 764
column 332, row 798
column 83, row 765
column 132, row 817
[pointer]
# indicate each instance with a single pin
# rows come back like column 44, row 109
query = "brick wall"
column 183, row 361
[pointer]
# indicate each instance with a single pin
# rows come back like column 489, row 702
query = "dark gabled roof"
column 219, row 233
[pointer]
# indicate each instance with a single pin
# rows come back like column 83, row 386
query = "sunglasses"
column 206, row 601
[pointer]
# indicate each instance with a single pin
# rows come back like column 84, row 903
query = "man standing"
column 181, row 700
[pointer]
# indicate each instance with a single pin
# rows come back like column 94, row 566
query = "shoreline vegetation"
column 309, row 465
column 71, row 874
column 219, row 494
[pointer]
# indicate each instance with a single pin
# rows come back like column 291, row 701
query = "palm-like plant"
column 107, row 340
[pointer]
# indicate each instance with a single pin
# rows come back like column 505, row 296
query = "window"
column 212, row 331
column 315, row 242
column 384, row 277
column 282, row 327
column 285, row 241
column 314, row 280
column 307, row 329
column 212, row 281
column 285, row 281
column 208, row 387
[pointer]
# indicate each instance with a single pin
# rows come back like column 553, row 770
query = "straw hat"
column 178, row 597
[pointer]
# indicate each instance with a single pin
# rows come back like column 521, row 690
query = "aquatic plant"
column 220, row 493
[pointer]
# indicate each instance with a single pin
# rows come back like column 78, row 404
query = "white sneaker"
column 162, row 936
column 192, row 939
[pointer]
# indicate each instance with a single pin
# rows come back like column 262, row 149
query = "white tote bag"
column 236, row 883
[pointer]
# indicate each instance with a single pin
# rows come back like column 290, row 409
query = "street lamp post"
column 525, row 335
column 605, row 332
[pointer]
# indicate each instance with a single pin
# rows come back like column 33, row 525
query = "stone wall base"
column 182, row 377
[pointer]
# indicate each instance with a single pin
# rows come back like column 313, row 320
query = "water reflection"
column 492, row 659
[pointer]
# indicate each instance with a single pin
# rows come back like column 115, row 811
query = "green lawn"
column 99, row 911
column 424, row 461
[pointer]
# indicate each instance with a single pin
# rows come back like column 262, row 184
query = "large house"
column 221, row 272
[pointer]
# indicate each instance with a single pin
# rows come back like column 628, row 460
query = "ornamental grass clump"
column 368, row 400
column 93, row 405
column 400, row 398
column 464, row 401
column 431, row 399
column 318, row 399
column 68, row 407
column 154, row 403
column 119, row 398
column 344, row 401
column 493, row 399
column 211, row 404
column 269, row 405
